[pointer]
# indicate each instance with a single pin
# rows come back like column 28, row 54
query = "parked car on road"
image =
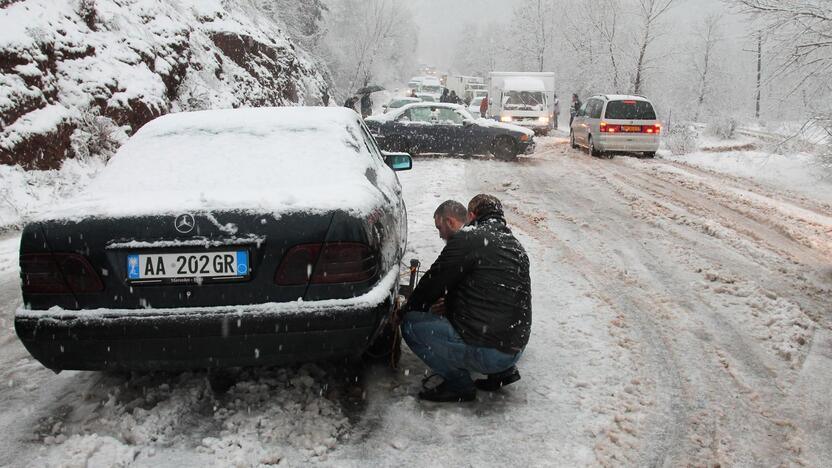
column 448, row 128
column 395, row 103
column 615, row 123
column 220, row 238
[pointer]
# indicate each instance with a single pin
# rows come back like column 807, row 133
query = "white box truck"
column 466, row 87
column 523, row 98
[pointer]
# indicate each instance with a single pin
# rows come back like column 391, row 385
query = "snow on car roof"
column 399, row 111
column 523, row 83
column 620, row 97
column 270, row 160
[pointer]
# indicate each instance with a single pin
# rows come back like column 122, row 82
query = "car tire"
column 543, row 132
column 504, row 148
column 650, row 154
column 386, row 348
column 572, row 140
column 592, row 150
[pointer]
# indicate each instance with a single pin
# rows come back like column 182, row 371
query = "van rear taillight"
column 342, row 262
column 58, row 274
column 607, row 128
column 657, row 128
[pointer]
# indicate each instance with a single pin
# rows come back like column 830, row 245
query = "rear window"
column 630, row 110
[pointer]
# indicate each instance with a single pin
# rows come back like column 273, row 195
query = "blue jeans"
column 436, row 342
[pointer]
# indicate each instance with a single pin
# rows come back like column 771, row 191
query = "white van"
column 523, row 98
column 610, row 122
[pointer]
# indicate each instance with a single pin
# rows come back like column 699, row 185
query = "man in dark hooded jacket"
column 483, row 276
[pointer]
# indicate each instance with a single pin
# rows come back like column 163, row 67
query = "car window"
column 465, row 115
column 447, row 116
column 370, row 142
column 595, row 108
column 420, row 114
column 630, row 110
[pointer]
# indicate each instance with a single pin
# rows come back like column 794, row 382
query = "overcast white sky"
column 441, row 22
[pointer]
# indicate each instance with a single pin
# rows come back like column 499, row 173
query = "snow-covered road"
column 681, row 316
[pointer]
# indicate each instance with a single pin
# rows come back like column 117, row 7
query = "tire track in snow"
column 703, row 430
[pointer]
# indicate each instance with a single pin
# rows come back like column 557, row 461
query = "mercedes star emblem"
column 184, row 223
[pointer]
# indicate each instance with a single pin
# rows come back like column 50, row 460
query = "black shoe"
column 443, row 394
column 495, row 382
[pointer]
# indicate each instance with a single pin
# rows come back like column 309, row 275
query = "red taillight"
column 297, row 265
column 657, row 128
column 607, row 128
column 58, row 274
column 345, row 262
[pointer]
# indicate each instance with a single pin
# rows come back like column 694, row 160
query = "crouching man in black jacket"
column 483, row 276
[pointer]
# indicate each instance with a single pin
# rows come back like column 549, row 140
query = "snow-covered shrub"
column 96, row 137
column 87, row 12
column 682, row 139
column 722, row 127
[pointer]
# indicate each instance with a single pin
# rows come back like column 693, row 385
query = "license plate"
column 188, row 265
column 631, row 128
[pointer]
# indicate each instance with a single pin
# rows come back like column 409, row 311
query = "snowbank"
column 132, row 61
column 24, row 194
column 801, row 173
column 274, row 416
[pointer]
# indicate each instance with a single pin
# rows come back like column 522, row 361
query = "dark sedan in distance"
column 219, row 239
column 450, row 129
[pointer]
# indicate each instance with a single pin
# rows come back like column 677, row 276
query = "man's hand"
column 438, row 308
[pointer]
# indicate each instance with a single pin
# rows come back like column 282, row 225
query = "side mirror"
column 398, row 161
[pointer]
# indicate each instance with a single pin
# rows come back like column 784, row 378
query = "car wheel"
column 386, row 348
column 592, row 150
column 572, row 140
column 650, row 154
column 543, row 132
column 504, row 149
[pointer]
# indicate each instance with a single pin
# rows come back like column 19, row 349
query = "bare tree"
column 533, row 21
column 592, row 35
column 484, row 50
column 650, row 12
column 709, row 37
column 603, row 18
column 368, row 40
column 800, row 31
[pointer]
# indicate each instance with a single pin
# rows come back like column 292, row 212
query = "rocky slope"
column 77, row 75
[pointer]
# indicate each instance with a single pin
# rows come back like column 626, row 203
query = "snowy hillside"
column 75, row 74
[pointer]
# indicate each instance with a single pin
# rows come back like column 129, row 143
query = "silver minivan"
column 616, row 123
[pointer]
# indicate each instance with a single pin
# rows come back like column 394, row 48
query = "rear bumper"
column 207, row 337
column 199, row 340
column 624, row 142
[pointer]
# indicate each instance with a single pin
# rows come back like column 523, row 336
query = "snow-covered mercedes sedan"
column 217, row 239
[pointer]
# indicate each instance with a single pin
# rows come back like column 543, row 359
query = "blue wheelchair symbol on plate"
column 242, row 262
